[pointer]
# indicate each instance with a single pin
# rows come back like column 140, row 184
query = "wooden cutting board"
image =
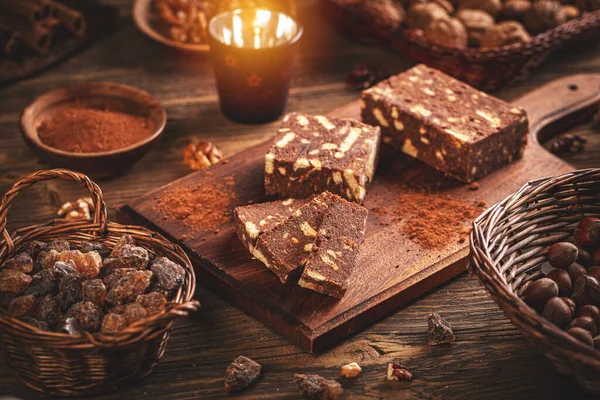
column 392, row 269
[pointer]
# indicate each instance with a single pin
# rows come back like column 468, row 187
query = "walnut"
column 398, row 372
column 351, row 370
column 544, row 15
column 504, row 33
column 447, row 32
column 80, row 209
column 421, row 15
column 476, row 22
column 515, row 9
column 201, row 155
column 446, row 5
column 491, row 7
column 386, row 14
column 571, row 12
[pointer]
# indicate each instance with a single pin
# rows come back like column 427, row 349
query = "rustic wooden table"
column 490, row 358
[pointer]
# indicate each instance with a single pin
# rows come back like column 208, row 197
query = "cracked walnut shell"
column 504, row 33
column 476, row 22
column 421, row 15
column 447, row 32
column 544, row 15
column 201, row 155
column 491, row 7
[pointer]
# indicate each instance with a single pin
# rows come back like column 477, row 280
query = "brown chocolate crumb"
column 474, row 186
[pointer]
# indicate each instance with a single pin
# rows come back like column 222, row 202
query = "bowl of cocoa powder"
column 99, row 128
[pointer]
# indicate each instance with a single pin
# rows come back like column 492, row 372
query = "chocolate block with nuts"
column 445, row 123
column 336, row 248
column 253, row 220
column 312, row 154
column 286, row 247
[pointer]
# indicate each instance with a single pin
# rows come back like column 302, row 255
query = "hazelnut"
column 586, row 290
column 575, row 271
column 503, row 34
column 491, row 7
column 515, row 9
column 421, row 15
column 571, row 12
column 585, row 258
column 590, row 311
column 562, row 254
column 557, row 312
column 539, row 292
column 586, row 323
column 587, row 232
column 476, row 22
column 447, row 32
column 594, row 271
column 351, row 370
column 569, row 302
column 582, row 335
column 562, row 279
column 544, row 15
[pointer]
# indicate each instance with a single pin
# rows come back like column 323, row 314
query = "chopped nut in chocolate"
column 439, row 331
column 200, row 155
column 240, row 374
column 317, row 387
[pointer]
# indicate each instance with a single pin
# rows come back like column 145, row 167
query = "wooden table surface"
column 490, row 358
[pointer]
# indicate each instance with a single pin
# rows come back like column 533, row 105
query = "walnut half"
column 200, row 155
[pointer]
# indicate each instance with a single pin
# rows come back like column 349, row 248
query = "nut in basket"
column 92, row 302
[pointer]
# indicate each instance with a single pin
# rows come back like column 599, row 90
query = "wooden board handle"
column 560, row 104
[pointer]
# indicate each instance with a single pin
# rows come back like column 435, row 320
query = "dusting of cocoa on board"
column 201, row 208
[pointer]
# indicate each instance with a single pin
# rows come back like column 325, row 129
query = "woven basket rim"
column 491, row 277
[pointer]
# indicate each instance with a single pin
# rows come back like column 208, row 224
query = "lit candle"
column 252, row 51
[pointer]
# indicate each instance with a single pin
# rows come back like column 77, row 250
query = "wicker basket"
column 488, row 69
column 62, row 364
column 508, row 245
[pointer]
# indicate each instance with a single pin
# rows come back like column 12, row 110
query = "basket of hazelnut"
column 87, row 306
column 487, row 43
column 537, row 253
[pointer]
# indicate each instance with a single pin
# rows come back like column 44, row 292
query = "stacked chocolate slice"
column 318, row 237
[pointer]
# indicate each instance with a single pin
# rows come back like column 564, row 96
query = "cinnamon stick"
column 72, row 19
column 32, row 11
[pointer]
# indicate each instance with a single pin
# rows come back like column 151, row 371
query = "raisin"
column 35, row 323
column 6, row 298
column 88, row 264
column 42, row 283
column 13, row 281
column 47, row 258
column 317, row 387
column 94, row 291
column 48, row 310
column 168, row 276
column 134, row 257
column 98, row 247
column 87, row 314
column 70, row 290
column 129, row 287
column 153, row 302
column 21, row 262
column 240, row 374
column 22, row 306
column 123, row 240
column 113, row 323
column 70, row 325
column 111, row 280
column 59, row 245
column 134, row 312
column 64, row 268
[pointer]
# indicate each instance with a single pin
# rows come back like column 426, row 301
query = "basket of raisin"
column 87, row 306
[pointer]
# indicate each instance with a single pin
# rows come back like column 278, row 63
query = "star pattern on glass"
column 231, row 61
column 254, row 80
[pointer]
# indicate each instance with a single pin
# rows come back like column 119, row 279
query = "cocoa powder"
column 77, row 129
column 201, row 208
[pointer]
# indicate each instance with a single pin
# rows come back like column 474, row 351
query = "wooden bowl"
column 98, row 95
column 142, row 16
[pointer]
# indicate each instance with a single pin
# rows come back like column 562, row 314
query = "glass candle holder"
column 253, row 51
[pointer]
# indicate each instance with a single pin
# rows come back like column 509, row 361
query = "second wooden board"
column 392, row 270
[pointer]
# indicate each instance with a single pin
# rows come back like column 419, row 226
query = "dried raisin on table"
column 87, row 314
column 59, row 245
column 129, row 287
column 317, row 387
column 64, row 268
column 69, row 325
column 98, row 247
column 14, row 281
column 154, row 302
column 21, row 262
column 88, row 264
column 94, row 291
column 22, row 306
column 112, row 279
column 113, row 323
column 47, row 258
column 134, row 257
column 70, row 290
column 168, row 276
column 42, row 283
column 134, row 312
column 41, row 325
column 123, row 241
column 240, row 374
column 48, row 310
